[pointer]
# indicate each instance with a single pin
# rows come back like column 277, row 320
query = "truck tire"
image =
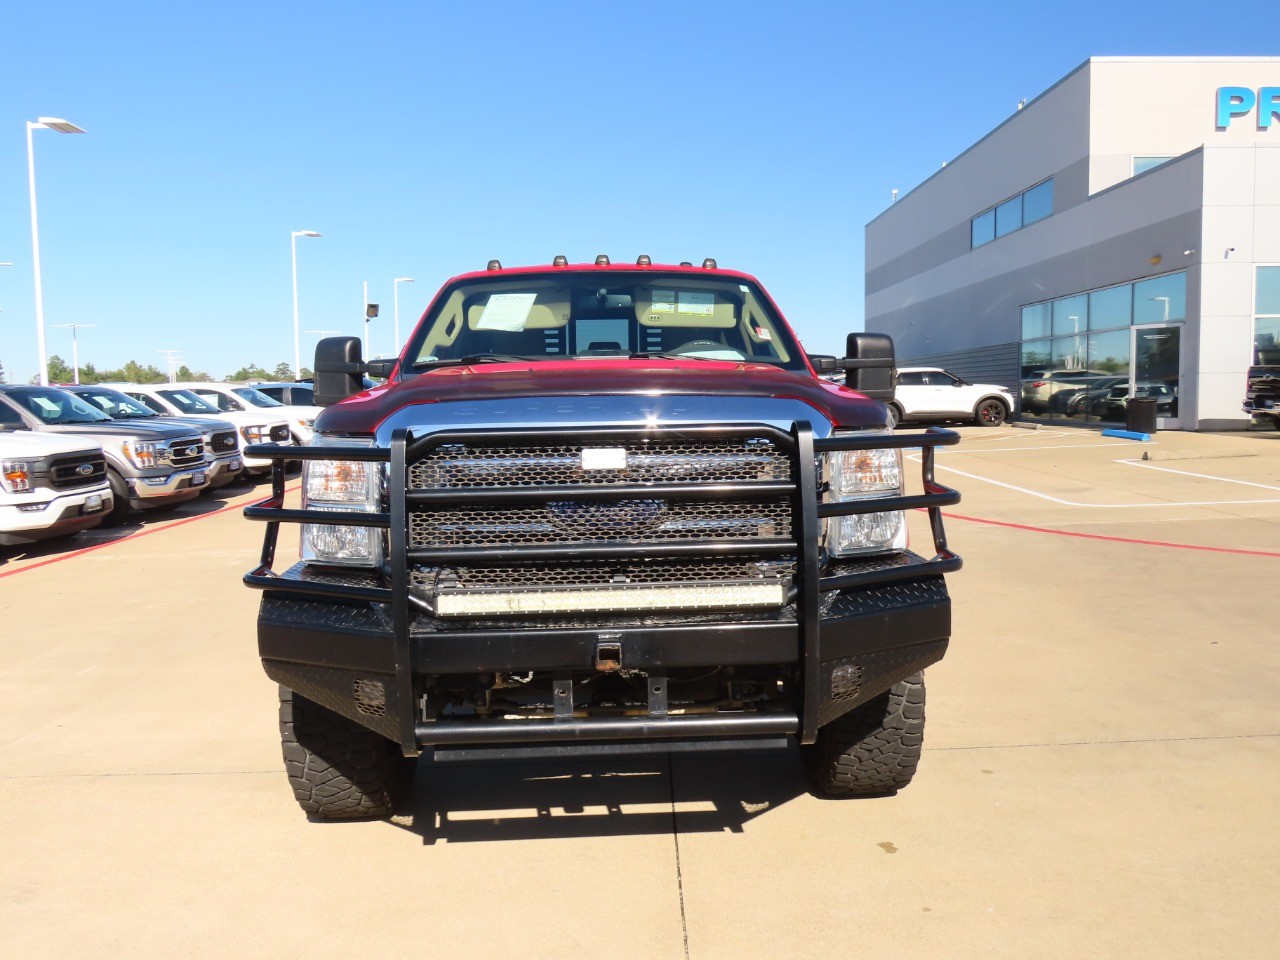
column 873, row 749
column 338, row 769
column 894, row 416
column 990, row 413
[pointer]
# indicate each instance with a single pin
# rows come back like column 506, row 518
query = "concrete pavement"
column 1101, row 772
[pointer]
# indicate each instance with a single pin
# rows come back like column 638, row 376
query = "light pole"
column 293, row 243
column 173, row 357
column 62, row 126
column 395, row 286
column 1166, row 306
column 75, row 348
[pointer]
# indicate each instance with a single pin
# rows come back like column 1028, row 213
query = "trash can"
column 1140, row 415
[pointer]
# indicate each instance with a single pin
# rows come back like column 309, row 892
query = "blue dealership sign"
column 1234, row 102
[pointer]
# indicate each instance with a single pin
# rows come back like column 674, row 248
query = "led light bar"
column 466, row 603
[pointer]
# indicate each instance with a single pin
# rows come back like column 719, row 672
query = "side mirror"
column 869, row 365
column 339, row 372
column 381, row 368
column 823, row 363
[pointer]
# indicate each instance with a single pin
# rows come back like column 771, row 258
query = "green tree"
column 185, row 373
column 89, row 374
column 283, row 371
column 307, row 374
column 251, row 372
column 2, row 379
column 59, row 370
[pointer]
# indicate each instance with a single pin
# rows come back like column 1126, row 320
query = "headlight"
column 341, row 485
column 258, row 433
column 306, row 424
column 144, row 454
column 865, row 475
column 17, row 476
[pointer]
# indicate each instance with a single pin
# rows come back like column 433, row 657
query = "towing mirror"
column 869, row 365
column 822, row 363
column 339, row 372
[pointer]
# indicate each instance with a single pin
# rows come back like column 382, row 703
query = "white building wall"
column 1166, row 106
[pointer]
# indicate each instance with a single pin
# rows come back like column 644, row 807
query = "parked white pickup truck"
column 50, row 486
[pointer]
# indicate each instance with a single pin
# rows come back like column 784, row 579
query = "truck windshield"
column 116, row 405
column 57, row 406
column 255, row 397
column 187, row 402
column 578, row 315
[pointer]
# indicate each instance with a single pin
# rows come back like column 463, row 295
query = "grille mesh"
column 461, row 466
column 223, row 442
column 186, row 453
column 628, row 521
column 65, row 473
column 280, row 432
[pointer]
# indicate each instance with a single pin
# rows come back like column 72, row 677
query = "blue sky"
column 422, row 139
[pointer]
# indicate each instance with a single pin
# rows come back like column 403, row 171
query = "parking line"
column 133, row 536
column 1201, row 476
column 1103, row 506
column 1109, row 539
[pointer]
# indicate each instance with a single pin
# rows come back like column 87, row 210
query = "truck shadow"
column 597, row 797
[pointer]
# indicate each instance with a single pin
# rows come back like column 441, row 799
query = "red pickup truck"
column 601, row 508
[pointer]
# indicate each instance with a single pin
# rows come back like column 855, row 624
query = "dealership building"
column 1117, row 236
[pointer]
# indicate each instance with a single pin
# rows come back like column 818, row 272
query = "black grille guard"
column 809, row 513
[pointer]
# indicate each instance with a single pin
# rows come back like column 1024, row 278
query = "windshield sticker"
column 506, row 311
column 697, row 304
column 47, row 407
column 664, row 301
column 763, row 334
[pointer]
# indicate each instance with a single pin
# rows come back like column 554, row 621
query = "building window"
column 1143, row 164
column 983, row 228
column 1013, row 214
column 1266, row 322
column 1076, row 349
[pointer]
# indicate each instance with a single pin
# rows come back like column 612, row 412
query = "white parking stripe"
column 1100, row 506
column 1202, row 476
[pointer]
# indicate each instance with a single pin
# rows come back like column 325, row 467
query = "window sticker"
column 506, row 311
column 664, row 301
column 763, row 334
column 48, row 409
column 696, row 304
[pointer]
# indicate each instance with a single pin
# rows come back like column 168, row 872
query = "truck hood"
column 363, row 412
column 24, row 443
column 126, row 429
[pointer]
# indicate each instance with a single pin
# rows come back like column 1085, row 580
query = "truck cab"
column 601, row 507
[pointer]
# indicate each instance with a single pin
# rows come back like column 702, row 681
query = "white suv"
column 931, row 393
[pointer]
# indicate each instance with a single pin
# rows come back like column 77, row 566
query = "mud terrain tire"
column 873, row 749
column 337, row 768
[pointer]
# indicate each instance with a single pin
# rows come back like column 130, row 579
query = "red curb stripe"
column 133, row 536
column 1106, row 539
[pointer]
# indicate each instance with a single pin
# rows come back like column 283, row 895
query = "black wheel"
column 338, row 769
column 873, row 749
column 119, row 499
column 893, row 416
column 990, row 413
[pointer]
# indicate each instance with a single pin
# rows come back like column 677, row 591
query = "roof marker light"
column 602, row 260
column 560, row 260
column 708, row 264
column 494, row 265
column 685, row 263
column 643, row 260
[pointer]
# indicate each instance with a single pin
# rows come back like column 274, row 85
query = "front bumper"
column 157, row 491
column 60, row 517
column 223, row 470
column 357, row 643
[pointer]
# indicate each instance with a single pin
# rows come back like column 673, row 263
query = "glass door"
column 1155, row 371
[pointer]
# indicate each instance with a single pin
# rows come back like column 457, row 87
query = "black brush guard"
column 400, row 722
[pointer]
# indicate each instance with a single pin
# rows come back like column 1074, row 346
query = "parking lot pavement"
column 1100, row 778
